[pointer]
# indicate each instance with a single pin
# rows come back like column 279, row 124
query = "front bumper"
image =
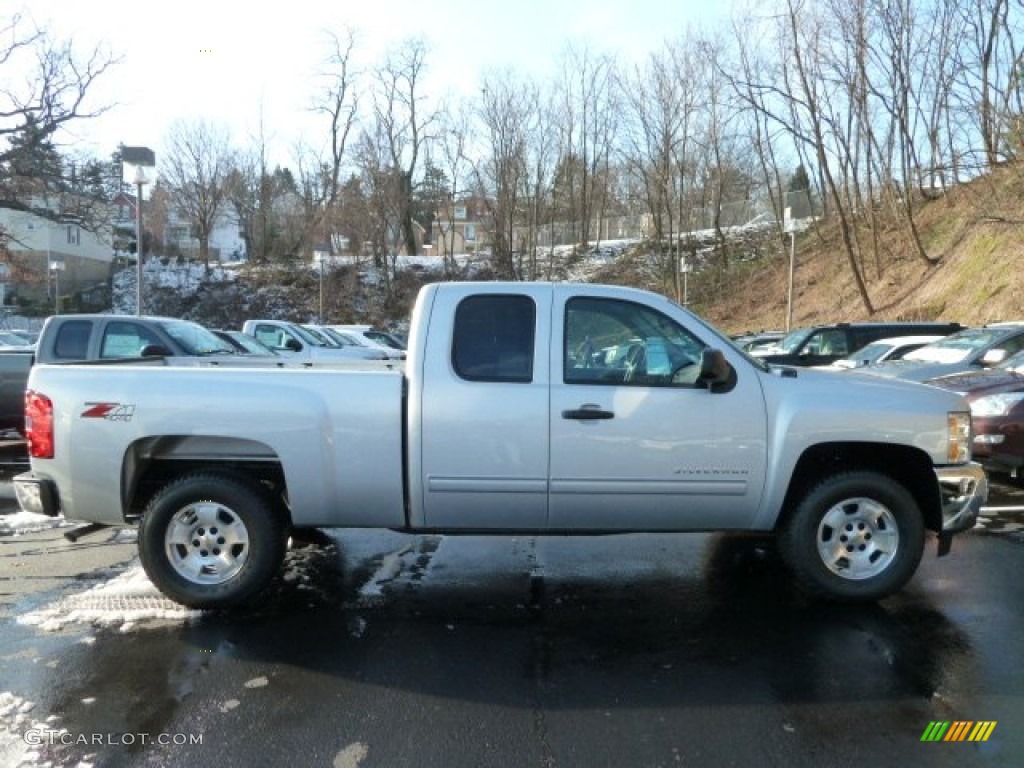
column 964, row 490
column 37, row 495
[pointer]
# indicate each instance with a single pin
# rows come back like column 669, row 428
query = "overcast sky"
column 228, row 61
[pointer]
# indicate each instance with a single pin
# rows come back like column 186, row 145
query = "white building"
column 226, row 243
column 43, row 255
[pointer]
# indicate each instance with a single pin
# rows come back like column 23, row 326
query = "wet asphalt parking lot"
column 383, row 649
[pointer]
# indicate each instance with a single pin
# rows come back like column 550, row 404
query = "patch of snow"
column 26, row 522
column 124, row 601
column 388, row 571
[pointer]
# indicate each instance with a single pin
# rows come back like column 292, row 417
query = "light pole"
column 319, row 256
column 140, row 179
column 141, row 158
column 56, row 266
column 788, row 226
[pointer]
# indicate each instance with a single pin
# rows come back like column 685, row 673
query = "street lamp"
column 140, row 179
column 320, row 255
column 56, row 266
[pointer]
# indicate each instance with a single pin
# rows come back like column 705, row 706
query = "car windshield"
column 869, row 354
column 339, row 339
column 195, row 339
column 1013, row 363
column 384, row 339
column 956, row 348
column 321, row 337
column 793, row 340
column 308, row 337
column 250, row 344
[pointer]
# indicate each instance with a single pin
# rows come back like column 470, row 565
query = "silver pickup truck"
column 524, row 408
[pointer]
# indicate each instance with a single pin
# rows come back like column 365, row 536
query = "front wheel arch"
column 856, row 535
column 211, row 540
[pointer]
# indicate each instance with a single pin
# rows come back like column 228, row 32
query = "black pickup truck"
column 78, row 338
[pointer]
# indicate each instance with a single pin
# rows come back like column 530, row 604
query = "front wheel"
column 854, row 536
column 210, row 540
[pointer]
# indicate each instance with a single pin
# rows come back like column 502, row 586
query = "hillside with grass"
column 974, row 232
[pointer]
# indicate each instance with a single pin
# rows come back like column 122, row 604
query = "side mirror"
column 715, row 371
column 155, row 350
column 293, row 345
column 993, row 357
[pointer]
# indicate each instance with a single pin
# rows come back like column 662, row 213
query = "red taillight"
column 39, row 425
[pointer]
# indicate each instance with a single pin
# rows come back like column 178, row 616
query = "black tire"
column 854, row 536
column 211, row 540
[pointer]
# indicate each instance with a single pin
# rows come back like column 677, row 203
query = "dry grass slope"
column 975, row 232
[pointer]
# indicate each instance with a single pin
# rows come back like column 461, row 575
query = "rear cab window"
column 494, row 338
column 72, row 340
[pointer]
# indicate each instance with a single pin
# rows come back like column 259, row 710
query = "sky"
column 230, row 63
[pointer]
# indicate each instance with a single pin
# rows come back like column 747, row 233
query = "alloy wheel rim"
column 207, row 543
column 858, row 538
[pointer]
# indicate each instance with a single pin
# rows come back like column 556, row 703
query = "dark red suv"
column 996, row 397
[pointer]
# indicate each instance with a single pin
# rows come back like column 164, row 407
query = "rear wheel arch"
column 151, row 463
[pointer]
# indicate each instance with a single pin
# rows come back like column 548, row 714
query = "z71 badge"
column 109, row 411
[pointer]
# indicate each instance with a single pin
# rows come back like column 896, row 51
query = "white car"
column 351, row 341
column 369, row 337
column 293, row 341
column 879, row 351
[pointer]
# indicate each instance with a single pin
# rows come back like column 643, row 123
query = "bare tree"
column 35, row 108
column 589, row 113
column 505, row 109
column 196, row 167
column 452, row 150
column 321, row 169
column 403, row 125
column 660, row 107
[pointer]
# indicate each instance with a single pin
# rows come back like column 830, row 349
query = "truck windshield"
column 195, row 339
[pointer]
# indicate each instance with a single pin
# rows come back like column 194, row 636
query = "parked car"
column 973, row 349
column 75, row 338
column 12, row 340
column 996, row 397
column 294, row 341
column 824, row 344
column 884, row 349
column 750, row 340
column 31, row 336
column 371, row 337
column 341, row 339
column 245, row 344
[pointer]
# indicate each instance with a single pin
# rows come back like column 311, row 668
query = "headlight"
column 996, row 405
column 958, row 437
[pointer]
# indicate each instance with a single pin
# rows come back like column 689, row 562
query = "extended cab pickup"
column 525, row 408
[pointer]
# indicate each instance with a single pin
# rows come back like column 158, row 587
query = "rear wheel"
column 854, row 536
column 211, row 540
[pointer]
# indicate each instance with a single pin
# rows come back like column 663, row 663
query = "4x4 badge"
column 109, row 411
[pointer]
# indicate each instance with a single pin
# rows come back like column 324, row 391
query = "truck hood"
column 815, row 407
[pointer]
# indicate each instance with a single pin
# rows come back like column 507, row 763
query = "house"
column 226, row 241
column 43, row 257
column 458, row 227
